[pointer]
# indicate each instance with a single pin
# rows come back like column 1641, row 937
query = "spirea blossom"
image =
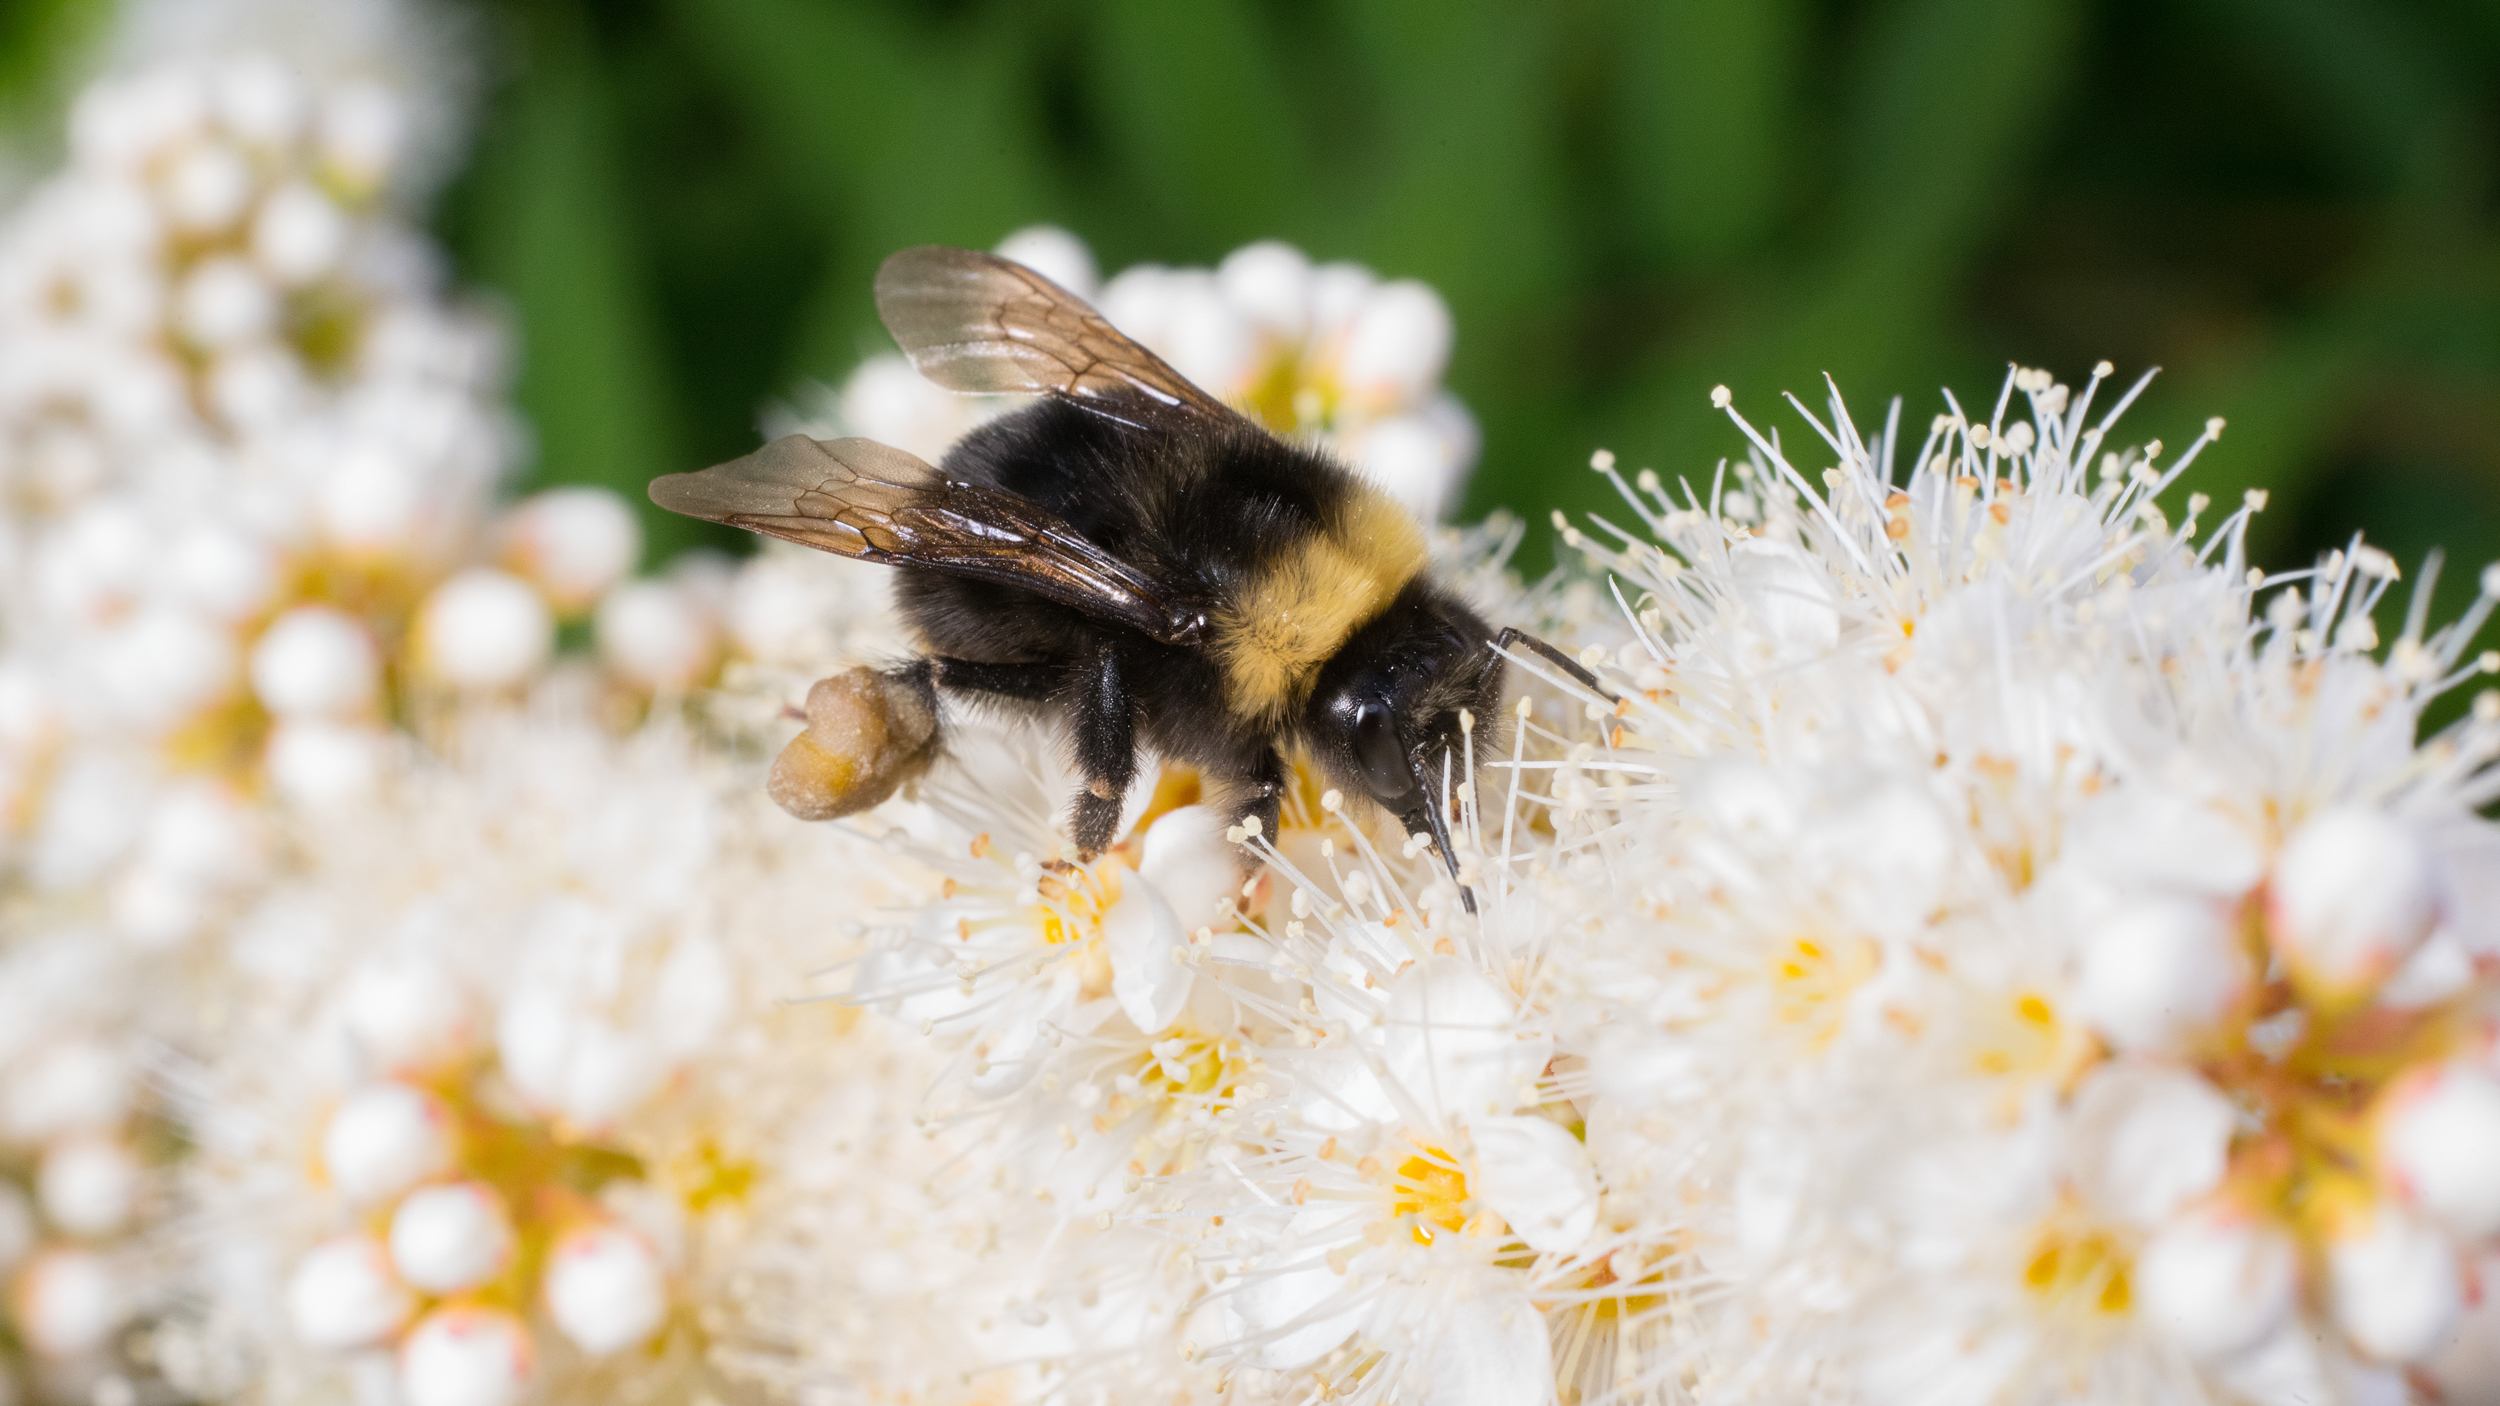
column 501, row 1100
column 1330, row 353
column 1979, row 940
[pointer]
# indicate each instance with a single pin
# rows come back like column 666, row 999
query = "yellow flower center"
column 2080, row 1269
column 1429, row 1190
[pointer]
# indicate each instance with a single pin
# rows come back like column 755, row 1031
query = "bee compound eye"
column 1377, row 751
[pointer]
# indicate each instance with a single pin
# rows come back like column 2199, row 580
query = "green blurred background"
column 2289, row 204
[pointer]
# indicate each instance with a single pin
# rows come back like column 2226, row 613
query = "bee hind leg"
column 1104, row 722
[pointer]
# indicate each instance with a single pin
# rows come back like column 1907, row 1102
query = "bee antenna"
column 1512, row 635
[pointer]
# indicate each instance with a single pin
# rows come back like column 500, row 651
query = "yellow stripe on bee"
column 1273, row 636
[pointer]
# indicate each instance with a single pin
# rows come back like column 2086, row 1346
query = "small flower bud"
column 2467, row 1368
column 68, row 1302
column 299, row 234
column 574, row 543
column 2216, row 1280
column 342, row 1294
column 657, row 635
column 384, row 1139
column 406, row 1013
column 886, row 400
column 1055, row 254
column 2159, row 973
column 1270, row 282
column 225, row 303
column 2147, row 1138
column 89, row 1184
column 207, row 188
column 605, row 1288
column 319, row 763
column 76, row 1084
column 485, row 630
column 1397, row 345
column 2439, row 1144
column 448, row 1238
column 2396, row 1291
column 466, row 1356
column 361, row 130
column 318, row 661
column 2353, row 894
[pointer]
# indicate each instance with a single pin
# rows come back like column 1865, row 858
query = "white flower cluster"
column 500, row 1099
column 1979, row 940
column 1985, row 942
column 267, row 637
column 1329, row 353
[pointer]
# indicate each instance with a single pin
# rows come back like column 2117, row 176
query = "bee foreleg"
column 1262, row 795
column 1105, row 726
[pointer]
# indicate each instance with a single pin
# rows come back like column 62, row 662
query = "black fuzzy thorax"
column 1200, row 510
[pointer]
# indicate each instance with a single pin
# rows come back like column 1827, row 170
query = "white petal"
column 1453, row 1044
column 1492, row 1351
column 2217, row 1280
column 1186, row 858
column 342, row 1294
column 1536, row 1176
column 2145, row 1139
column 1296, row 1305
column 2441, row 1142
column 2467, row 1369
column 2159, row 973
column 2353, row 894
column 1145, row 942
column 2396, row 1286
column 1789, row 596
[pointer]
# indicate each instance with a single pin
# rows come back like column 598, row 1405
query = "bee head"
column 1385, row 715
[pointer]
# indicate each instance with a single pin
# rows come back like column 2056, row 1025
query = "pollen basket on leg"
column 1274, row 634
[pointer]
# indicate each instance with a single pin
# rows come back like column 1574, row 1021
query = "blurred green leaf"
column 1457, row 188
column 897, row 136
column 1952, row 96
column 1194, row 104
column 1707, row 100
column 37, row 41
column 556, row 238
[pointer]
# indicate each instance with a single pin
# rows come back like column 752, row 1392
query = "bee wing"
column 858, row 498
column 978, row 323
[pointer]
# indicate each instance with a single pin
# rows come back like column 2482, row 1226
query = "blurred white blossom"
column 1328, row 353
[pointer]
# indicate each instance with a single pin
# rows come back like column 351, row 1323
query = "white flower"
column 2395, row 1285
column 68, row 1303
column 89, row 1185
column 2352, row 896
column 343, row 1294
column 448, row 1238
column 462, row 1356
column 573, row 543
column 2218, row 1280
column 387, row 1137
column 316, row 660
column 605, row 1288
column 486, row 630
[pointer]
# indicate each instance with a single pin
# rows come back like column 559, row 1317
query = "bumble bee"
column 1129, row 553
